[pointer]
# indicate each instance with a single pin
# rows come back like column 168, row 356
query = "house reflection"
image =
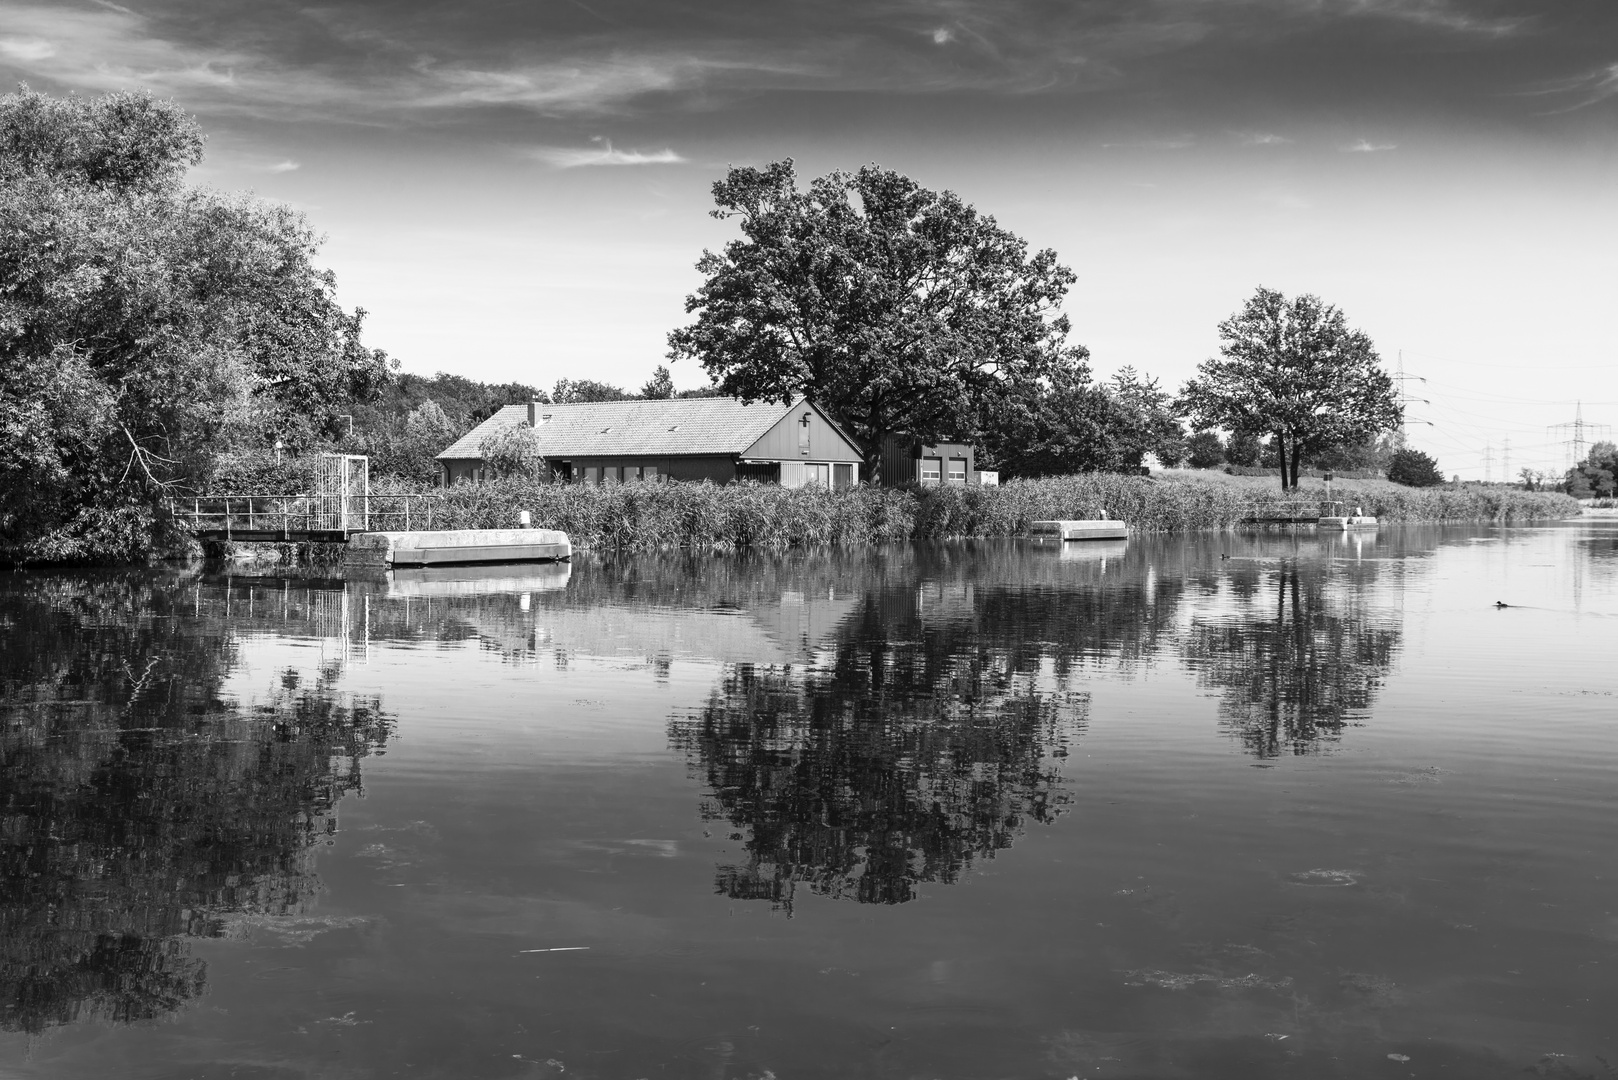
column 142, row 807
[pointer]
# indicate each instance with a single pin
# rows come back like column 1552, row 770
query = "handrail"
column 304, row 513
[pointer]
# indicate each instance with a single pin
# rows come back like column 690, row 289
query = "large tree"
column 145, row 326
column 1293, row 370
column 896, row 308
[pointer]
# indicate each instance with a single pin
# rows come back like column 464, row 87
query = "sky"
column 519, row 189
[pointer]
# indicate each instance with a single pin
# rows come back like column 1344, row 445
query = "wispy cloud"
column 283, row 167
column 1167, row 142
column 1261, row 138
column 26, row 49
column 1587, row 89
column 604, row 153
column 1365, row 146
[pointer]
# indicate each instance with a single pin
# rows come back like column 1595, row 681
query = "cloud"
column 1261, row 138
column 1365, row 146
column 26, row 49
column 1591, row 87
column 943, row 36
column 1168, row 142
column 562, row 157
column 283, row 167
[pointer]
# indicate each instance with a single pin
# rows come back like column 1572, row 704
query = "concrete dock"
column 457, row 546
column 1079, row 530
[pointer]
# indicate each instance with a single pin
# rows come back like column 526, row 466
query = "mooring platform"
column 457, row 546
column 1079, row 530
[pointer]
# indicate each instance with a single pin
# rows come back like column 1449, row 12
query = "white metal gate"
column 342, row 493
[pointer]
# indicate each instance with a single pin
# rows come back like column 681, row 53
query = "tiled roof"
column 718, row 425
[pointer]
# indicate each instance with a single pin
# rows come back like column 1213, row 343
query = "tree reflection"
column 141, row 806
column 1296, row 658
column 927, row 733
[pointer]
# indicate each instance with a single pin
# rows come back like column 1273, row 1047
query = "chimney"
column 533, row 414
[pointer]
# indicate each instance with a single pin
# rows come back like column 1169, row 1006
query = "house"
column 718, row 439
column 907, row 461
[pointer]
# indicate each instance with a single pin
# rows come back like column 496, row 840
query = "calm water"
column 981, row 810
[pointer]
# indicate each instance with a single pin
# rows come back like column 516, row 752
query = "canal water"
column 1222, row 806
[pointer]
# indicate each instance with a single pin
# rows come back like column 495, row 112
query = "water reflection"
column 930, row 728
column 1295, row 652
column 142, row 807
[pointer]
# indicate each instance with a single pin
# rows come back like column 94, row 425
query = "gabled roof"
column 717, row 425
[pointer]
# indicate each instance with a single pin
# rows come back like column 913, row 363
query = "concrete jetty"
column 457, row 546
column 1080, row 530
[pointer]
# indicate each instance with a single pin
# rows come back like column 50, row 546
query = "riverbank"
column 639, row 516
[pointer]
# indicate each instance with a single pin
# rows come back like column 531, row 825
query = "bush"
column 1205, row 451
column 1412, row 468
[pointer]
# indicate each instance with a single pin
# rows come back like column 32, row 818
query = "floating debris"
column 1174, row 980
column 1325, row 879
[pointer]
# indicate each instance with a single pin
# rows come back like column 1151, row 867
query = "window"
column 815, row 472
column 842, row 476
column 957, row 470
column 631, row 472
column 930, row 470
column 803, row 435
column 649, row 472
column 592, row 474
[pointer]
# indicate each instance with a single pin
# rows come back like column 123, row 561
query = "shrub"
column 1413, row 468
column 1205, row 451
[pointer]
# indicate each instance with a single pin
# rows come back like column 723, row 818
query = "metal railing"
column 292, row 515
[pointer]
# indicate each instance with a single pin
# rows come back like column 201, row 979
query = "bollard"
column 524, row 520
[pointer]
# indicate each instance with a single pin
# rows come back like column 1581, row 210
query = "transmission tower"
column 1576, row 428
column 1405, row 399
column 1505, row 464
column 1488, row 463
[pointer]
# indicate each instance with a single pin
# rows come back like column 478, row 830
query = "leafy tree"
column 1596, row 475
column 1064, row 424
column 1243, row 448
column 1158, row 417
column 145, row 327
column 1205, row 451
column 578, row 391
column 1293, row 369
column 513, row 452
column 660, row 386
column 1413, row 468
column 896, row 308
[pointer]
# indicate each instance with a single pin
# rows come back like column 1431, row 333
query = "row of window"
column 616, row 474
column 932, row 469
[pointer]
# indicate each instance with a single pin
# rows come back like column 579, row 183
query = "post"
column 407, row 513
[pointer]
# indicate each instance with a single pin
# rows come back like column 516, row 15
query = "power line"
column 1576, row 429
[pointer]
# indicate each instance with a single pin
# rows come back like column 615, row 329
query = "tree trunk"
column 1281, row 452
column 873, row 460
column 1297, row 459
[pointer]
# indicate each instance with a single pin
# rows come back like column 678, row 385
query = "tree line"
column 157, row 338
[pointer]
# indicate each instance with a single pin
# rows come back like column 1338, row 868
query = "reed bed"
column 646, row 517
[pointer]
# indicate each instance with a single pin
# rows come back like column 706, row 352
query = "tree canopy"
column 1293, row 370
column 146, row 326
column 896, row 308
column 1414, row 469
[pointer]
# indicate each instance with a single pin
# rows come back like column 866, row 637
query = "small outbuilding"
column 717, row 438
column 947, row 464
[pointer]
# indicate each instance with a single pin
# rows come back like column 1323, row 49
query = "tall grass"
column 643, row 516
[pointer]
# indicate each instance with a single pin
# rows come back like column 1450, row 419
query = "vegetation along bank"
column 639, row 516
